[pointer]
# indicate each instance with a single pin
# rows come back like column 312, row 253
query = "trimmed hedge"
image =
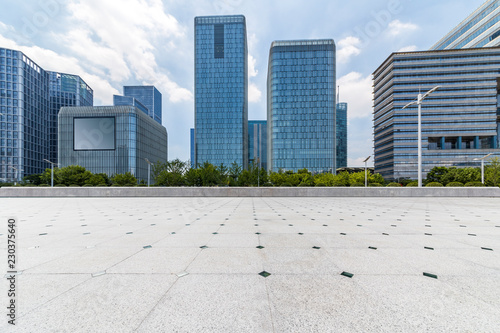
column 434, row 184
column 412, row 184
column 394, row 184
column 455, row 184
column 474, row 184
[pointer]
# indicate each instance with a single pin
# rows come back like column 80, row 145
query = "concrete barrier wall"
column 14, row 192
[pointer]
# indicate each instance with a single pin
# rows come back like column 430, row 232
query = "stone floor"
column 193, row 264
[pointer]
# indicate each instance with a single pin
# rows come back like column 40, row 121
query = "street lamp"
column 52, row 172
column 149, row 170
column 419, row 100
column 366, row 175
column 17, row 174
column 482, row 165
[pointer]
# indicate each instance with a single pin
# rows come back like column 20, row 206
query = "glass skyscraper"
column 480, row 29
column 149, row 97
column 221, row 90
column 460, row 121
column 341, row 142
column 257, row 143
column 191, row 145
column 65, row 90
column 30, row 98
column 301, row 106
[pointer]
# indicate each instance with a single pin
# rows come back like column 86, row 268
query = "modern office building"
column 221, row 90
column 460, row 121
column 30, row 98
column 111, row 139
column 144, row 97
column 191, row 145
column 301, row 106
column 341, row 141
column 65, row 90
column 119, row 100
column 480, row 29
column 257, row 143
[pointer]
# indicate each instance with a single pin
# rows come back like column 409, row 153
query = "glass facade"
column 480, row 29
column 257, row 143
column 126, row 100
column 149, row 97
column 301, row 106
column 341, row 142
column 30, row 98
column 191, row 144
column 221, row 90
column 460, row 120
column 136, row 137
column 65, row 90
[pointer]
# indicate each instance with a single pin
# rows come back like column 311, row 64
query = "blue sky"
column 129, row 42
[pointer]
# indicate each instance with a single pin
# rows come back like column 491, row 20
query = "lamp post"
column 419, row 100
column 482, row 165
column 17, row 174
column 366, row 174
column 149, row 170
column 51, row 172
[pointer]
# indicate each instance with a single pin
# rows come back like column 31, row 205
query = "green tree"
column 193, row 177
column 492, row 172
column 124, row 179
column 324, row 179
column 99, row 179
column 35, row 179
column 436, row 174
column 342, row 179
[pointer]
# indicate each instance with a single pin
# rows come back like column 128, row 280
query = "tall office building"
column 480, row 29
column 257, row 143
column 460, row 121
column 30, row 98
column 341, row 142
column 221, row 90
column 65, row 90
column 148, row 96
column 191, row 145
column 301, row 106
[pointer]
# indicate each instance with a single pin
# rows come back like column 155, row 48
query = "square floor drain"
column 43, row 234
column 487, row 249
column 215, row 233
column 428, row 234
column 129, row 233
column 316, row 247
column 98, row 274
column 264, row 274
column 430, row 275
column 428, row 248
column 343, row 233
column 260, row 247
column 301, row 233
column 147, row 247
column 257, row 233
column 204, row 247
column 472, row 235
column 325, row 225
column 372, row 247
column 385, row 234
column 347, row 274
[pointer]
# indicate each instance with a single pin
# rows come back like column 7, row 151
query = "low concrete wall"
column 15, row 192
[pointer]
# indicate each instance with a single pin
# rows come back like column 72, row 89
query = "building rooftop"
column 199, row 264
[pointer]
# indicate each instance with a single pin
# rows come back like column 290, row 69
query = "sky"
column 113, row 43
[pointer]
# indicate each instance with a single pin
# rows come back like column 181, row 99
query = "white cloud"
column 347, row 48
column 254, row 94
column 252, row 71
column 397, row 28
column 409, row 48
column 52, row 61
column 121, row 46
column 356, row 90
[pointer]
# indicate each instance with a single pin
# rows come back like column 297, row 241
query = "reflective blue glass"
column 301, row 106
column 191, row 144
column 221, row 91
column 30, row 99
column 149, row 97
column 480, row 29
column 257, row 143
column 341, row 142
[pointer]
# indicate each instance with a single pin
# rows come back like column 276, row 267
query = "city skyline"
column 157, row 47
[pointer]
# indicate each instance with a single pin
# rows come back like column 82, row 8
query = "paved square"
column 193, row 264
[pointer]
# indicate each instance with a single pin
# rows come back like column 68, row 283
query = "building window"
column 218, row 41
